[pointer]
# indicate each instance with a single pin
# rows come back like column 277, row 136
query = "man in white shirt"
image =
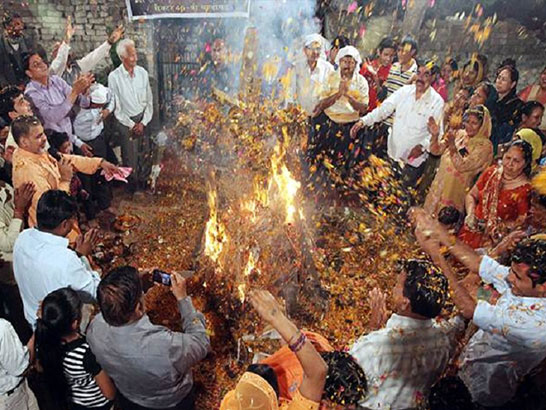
column 89, row 127
column 409, row 137
column 406, row 357
column 511, row 339
column 130, row 85
column 344, row 99
column 308, row 74
column 14, row 361
column 89, row 122
column 42, row 261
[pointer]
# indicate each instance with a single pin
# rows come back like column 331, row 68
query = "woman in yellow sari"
column 465, row 153
column 254, row 392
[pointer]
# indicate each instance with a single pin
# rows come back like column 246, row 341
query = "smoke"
column 281, row 25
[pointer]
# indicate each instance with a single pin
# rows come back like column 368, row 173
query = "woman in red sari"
column 499, row 202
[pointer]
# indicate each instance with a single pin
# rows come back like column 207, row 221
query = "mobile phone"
column 162, row 277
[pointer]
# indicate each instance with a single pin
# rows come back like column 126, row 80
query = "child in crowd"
column 70, row 368
column 451, row 218
column 59, row 143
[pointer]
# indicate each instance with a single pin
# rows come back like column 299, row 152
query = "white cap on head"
column 98, row 94
column 314, row 38
column 349, row 51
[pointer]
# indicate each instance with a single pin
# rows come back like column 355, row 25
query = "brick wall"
column 93, row 20
column 448, row 37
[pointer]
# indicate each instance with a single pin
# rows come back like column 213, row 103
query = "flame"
column 241, row 290
column 251, row 207
column 286, row 185
column 215, row 231
column 251, row 264
column 250, row 267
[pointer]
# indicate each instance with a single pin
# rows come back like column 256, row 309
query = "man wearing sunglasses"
column 511, row 339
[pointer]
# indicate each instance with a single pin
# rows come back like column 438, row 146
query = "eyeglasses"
column 37, row 64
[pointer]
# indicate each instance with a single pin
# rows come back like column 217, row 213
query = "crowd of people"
column 464, row 148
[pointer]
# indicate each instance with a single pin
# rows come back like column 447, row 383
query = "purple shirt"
column 53, row 105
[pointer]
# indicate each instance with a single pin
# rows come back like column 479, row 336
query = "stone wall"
column 93, row 19
column 508, row 39
column 438, row 38
column 449, row 37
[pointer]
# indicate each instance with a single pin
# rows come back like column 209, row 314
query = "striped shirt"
column 80, row 368
column 396, row 80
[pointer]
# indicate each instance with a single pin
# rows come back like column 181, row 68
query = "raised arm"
column 436, row 147
column 314, row 368
column 461, row 297
column 380, row 113
column 477, row 159
column 430, row 228
column 194, row 344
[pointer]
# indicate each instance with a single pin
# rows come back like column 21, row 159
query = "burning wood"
column 215, row 233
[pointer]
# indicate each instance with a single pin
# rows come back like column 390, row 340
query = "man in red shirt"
column 377, row 71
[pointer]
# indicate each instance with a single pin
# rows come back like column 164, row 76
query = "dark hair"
column 341, row 41
column 530, row 106
column 54, row 207
column 56, row 139
column 118, row 294
column 39, row 51
column 450, row 393
column 510, row 65
column 59, row 310
column 527, row 151
column 449, row 215
column 7, row 97
column 491, row 92
column 478, row 111
column 532, row 252
column 409, row 40
column 468, row 89
column 425, row 287
column 345, row 381
column 485, row 61
column 267, row 373
column 21, row 126
column 452, row 63
column 428, row 64
column 386, row 42
column 9, row 17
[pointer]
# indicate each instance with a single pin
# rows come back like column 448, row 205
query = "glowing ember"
column 215, row 231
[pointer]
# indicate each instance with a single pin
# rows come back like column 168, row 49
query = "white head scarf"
column 296, row 55
column 349, row 51
column 312, row 38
